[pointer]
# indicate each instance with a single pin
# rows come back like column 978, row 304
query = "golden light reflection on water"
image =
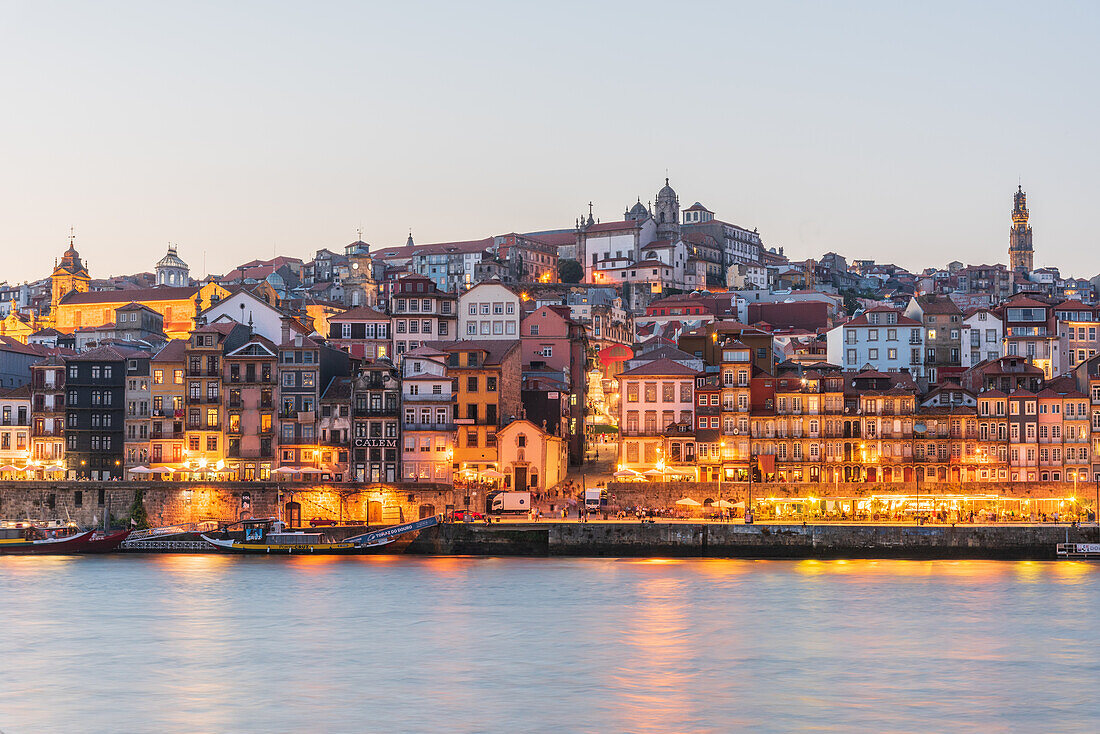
column 654, row 680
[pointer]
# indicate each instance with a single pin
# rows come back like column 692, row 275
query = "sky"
column 886, row 130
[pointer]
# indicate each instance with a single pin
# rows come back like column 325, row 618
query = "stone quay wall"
column 172, row 503
column 718, row 540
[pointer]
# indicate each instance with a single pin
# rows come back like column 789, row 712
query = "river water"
column 179, row 643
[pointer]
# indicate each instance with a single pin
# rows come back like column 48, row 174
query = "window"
column 490, row 384
column 471, row 383
column 308, row 378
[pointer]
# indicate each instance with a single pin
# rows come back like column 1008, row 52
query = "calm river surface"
column 401, row 644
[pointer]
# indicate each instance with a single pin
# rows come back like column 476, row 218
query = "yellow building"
column 78, row 309
column 168, row 391
column 487, row 376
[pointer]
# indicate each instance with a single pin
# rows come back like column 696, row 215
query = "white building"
column 982, row 334
column 881, row 337
column 427, row 423
column 245, row 307
column 614, row 241
column 489, row 310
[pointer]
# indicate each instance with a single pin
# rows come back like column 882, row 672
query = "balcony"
column 428, row 426
column 429, row 398
column 375, row 412
column 301, row 416
column 47, row 433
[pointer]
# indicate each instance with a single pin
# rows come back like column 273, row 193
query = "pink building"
column 551, row 340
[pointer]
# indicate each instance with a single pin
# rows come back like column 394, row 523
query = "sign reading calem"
column 615, row 353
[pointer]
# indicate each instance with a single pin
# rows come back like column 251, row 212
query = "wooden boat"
column 31, row 539
column 270, row 536
column 102, row 542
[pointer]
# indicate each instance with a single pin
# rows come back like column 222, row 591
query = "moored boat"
column 31, row 539
column 1079, row 551
column 105, row 542
column 270, row 536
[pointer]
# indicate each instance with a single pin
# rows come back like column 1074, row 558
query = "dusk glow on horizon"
column 239, row 131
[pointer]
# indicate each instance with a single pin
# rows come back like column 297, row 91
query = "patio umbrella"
column 654, row 473
column 688, row 501
column 286, row 470
column 492, row 474
column 625, row 474
column 306, row 470
column 738, row 505
column 161, row 470
column 140, row 470
column 54, row 467
column 9, row 467
column 723, row 504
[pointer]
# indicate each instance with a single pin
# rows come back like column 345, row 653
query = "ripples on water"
column 216, row 643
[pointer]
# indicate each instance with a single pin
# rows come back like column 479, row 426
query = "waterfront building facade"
column 48, row 411
column 428, row 417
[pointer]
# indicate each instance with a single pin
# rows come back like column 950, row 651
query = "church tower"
column 69, row 275
column 667, row 213
column 1020, row 254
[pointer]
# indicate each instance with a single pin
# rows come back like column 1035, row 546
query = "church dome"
column 638, row 211
column 666, row 192
column 171, row 260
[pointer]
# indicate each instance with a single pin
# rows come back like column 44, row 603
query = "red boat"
column 105, row 542
column 31, row 540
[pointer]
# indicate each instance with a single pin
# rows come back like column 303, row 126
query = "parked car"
column 315, row 522
column 468, row 516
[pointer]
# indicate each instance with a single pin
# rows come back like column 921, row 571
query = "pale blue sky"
column 889, row 130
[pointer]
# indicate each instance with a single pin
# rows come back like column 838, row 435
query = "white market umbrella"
column 723, row 504
column 738, row 505
column 54, row 467
column 625, row 474
column 140, row 470
column 306, row 470
column 286, row 470
column 161, row 470
column 492, row 474
column 688, row 501
column 654, row 473
column 9, row 467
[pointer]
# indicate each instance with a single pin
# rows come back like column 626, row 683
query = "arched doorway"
column 426, row 510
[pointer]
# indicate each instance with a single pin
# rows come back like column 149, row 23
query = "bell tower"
column 68, row 275
column 1020, row 253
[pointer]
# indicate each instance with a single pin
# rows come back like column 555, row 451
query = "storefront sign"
column 376, row 443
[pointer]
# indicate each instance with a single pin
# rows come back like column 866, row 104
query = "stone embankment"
column 717, row 540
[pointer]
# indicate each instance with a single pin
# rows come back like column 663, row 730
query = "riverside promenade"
column 685, row 539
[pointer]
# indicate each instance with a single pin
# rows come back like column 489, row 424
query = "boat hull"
column 313, row 549
column 108, row 543
column 50, row 547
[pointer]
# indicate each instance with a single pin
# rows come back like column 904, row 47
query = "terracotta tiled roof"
column 138, row 295
column 659, row 367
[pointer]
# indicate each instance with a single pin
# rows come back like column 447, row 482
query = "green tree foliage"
column 570, row 271
column 138, row 514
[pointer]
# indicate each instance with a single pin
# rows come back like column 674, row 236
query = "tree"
column 570, row 271
column 139, row 518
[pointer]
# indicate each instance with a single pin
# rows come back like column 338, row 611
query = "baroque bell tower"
column 1020, row 253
